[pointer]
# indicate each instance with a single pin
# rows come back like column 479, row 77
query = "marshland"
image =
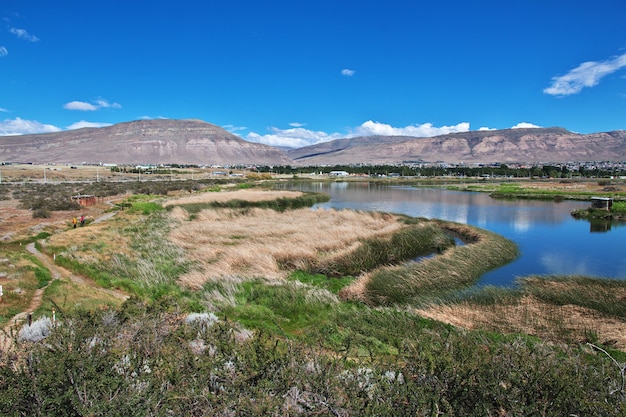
column 225, row 297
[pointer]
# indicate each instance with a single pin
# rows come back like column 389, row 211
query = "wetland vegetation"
column 253, row 307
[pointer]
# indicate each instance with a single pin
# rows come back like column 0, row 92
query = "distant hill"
column 170, row 141
column 163, row 141
column 505, row 146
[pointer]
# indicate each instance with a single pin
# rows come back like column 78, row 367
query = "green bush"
column 147, row 359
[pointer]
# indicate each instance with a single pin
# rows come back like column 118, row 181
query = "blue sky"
column 301, row 72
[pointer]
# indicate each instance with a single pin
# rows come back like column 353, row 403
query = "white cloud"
column 85, row 106
column 525, row 125
column 23, row 34
column 296, row 124
column 371, row 128
column 3, row 51
column 79, row 105
column 348, row 72
column 83, row 123
column 20, row 126
column 298, row 137
column 587, row 74
column 3, row 110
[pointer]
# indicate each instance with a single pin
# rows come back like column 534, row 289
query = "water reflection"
column 550, row 240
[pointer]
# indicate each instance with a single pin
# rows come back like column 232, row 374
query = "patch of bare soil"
column 17, row 223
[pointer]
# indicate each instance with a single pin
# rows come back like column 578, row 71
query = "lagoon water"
column 550, row 240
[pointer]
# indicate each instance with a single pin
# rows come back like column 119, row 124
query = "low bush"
column 36, row 331
column 147, row 359
column 41, row 213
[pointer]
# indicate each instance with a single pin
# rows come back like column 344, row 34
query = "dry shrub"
column 230, row 243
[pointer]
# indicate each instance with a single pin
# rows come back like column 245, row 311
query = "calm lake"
column 550, row 240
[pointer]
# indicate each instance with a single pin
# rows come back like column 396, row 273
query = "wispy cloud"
column 83, row 124
column 233, row 128
column 3, row 110
column 152, row 118
column 18, row 126
column 348, row 72
column 23, row 34
column 587, row 74
column 3, row 51
column 93, row 106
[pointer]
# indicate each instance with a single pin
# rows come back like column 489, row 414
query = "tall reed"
column 440, row 276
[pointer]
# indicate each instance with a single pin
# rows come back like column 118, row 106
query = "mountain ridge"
column 192, row 141
column 156, row 141
column 554, row 144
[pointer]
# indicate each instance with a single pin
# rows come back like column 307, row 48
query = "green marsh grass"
column 441, row 276
column 416, row 240
column 279, row 204
column 606, row 296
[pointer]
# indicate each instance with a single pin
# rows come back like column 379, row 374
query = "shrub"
column 41, row 213
column 38, row 330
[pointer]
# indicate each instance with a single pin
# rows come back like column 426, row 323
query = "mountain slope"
column 141, row 142
column 506, row 146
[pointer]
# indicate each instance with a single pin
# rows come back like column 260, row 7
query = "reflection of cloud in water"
column 561, row 263
column 460, row 215
column 521, row 221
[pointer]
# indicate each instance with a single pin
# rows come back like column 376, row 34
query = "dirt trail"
column 57, row 272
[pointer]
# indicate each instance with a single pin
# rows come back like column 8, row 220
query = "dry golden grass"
column 534, row 317
column 253, row 195
column 105, row 235
column 229, row 244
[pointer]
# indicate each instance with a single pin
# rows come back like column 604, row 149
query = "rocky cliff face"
column 141, row 142
column 504, row 146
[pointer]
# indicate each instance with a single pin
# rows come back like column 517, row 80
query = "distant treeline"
column 502, row 170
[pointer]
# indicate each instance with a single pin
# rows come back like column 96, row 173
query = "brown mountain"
column 505, row 146
column 164, row 141
column 170, row 141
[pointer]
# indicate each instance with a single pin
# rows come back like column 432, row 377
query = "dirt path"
column 57, row 272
